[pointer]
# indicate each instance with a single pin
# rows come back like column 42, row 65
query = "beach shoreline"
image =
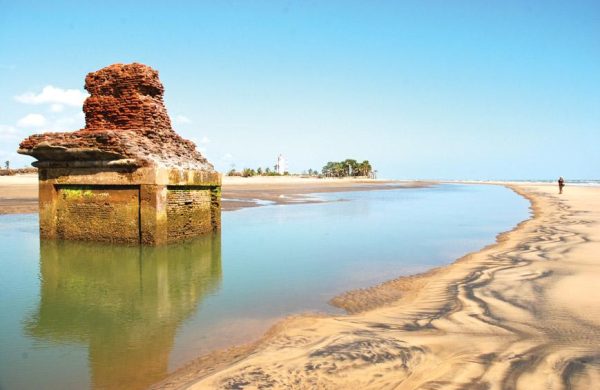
column 19, row 193
column 500, row 317
column 488, row 319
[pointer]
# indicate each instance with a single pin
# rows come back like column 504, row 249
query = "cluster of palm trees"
column 249, row 172
column 346, row 168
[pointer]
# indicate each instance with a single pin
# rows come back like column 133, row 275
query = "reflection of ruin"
column 127, row 176
column 124, row 303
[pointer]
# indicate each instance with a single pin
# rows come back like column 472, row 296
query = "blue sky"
column 422, row 89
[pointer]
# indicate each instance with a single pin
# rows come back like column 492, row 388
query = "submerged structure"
column 127, row 176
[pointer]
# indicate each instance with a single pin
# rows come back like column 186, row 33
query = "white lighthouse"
column 281, row 166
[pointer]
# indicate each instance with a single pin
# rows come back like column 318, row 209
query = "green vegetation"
column 347, row 168
column 73, row 193
column 249, row 172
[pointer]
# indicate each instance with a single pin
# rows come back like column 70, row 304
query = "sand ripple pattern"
column 523, row 313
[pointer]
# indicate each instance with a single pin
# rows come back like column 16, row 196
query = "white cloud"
column 54, row 95
column 54, row 123
column 67, row 123
column 8, row 133
column 9, row 142
column 201, row 144
column 182, row 119
column 5, row 129
column 32, row 120
column 227, row 157
column 56, row 107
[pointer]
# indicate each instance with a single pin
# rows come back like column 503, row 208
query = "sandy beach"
column 19, row 193
column 523, row 313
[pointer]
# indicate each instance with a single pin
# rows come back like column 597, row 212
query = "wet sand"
column 19, row 194
column 242, row 192
column 523, row 313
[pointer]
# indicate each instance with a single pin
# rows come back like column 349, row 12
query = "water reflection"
column 124, row 303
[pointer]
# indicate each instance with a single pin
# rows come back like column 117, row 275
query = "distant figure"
column 561, row 184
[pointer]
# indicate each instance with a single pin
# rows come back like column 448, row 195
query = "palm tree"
column 348, row 167
column 248, row 172
column 365, row 168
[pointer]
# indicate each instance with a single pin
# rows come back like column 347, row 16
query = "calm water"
column 78, row 315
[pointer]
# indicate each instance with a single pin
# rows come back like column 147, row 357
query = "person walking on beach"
column 561, row 184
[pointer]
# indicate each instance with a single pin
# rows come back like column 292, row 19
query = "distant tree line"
column 311, row 172
column 249, row 172
column 347, row 168
column 8, row 171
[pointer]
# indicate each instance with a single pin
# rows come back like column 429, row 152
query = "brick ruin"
column 127, row 176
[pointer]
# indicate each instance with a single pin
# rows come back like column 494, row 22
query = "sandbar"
column 522, row 313
column 19, row 193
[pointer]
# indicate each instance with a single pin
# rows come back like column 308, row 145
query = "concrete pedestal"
column 151, row 206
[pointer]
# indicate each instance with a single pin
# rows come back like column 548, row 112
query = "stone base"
column 150, row 206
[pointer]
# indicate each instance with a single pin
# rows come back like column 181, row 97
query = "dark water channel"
column 76, row 315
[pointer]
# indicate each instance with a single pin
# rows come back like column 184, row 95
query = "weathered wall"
column 149, row 206
column 188, row 212
column 98, row 213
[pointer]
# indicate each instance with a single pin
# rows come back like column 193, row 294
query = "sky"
column 421, row 89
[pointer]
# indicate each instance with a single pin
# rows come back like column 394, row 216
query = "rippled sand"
column 523, row 313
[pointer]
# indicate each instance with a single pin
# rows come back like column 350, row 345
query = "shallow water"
column 76, row 315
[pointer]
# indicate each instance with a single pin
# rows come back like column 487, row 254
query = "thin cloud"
column 32, row 120
column 8, row 133
column 9, row 141
column 55, row 107
column 200, row 144
column 54, row 95
column 38, row 122
column 67, row 123
column 6, row 129
column 182, row 120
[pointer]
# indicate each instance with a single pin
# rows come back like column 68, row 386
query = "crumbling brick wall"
column 114, row 173
column 125, row 119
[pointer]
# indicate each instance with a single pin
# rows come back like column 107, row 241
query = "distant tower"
column 281, row 166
